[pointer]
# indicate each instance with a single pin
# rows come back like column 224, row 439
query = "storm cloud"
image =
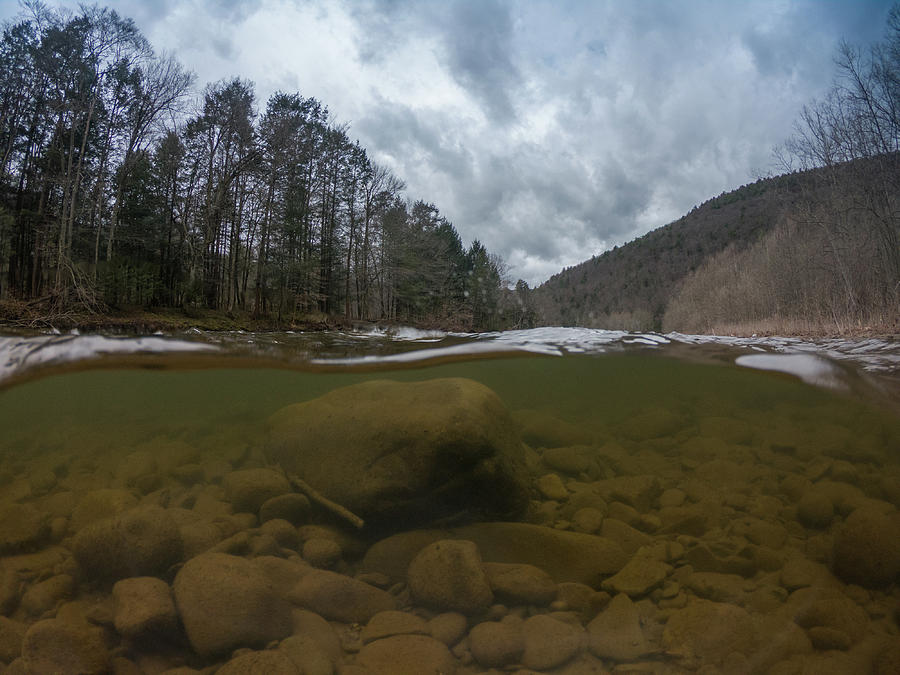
column 549, row 130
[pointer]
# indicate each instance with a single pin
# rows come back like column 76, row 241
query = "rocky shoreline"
column 708, row 544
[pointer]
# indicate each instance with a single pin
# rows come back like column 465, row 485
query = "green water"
column 737, row 446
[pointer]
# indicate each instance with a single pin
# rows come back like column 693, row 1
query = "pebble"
column 448, row 627
column 340, row 598
column 639, row 576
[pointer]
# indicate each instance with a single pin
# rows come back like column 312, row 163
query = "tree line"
column 832, row 260
column 121, row 185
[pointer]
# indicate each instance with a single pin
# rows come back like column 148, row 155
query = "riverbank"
column 19, row 316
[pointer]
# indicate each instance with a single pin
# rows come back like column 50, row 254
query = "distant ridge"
column 631, row 286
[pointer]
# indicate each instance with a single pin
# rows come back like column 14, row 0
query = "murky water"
column 632, row 503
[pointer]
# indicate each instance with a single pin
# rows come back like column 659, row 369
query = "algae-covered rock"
column 144, row 541
column 65, row 648
column 400, row 453
column 449, row 575
column 867, row 549
column 407, row 655
column 340, row 598
column 22, row 528
column 565, row 556
column 226, row 602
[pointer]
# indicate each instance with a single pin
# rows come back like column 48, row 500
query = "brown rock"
column 717, row 587
column 588, row 520
column 520, row 584
column 565, row 556
column 321, row 552
column 248, row 489
column 448, row 627
column 573, row 459
column 837, row 612
column 626, row 536
column 867, row 549
column 392, row 622
column 616, row 632
column 402, row 451
column 449, row 575
column 227, row 602
column 709, row 632
column 823, row 637
column 407, row 655
column 144, row 605
column 549, row 642
column 495, row 644
column 292, row 507
column 46, row 595
column 639, row 576
column 260, row 663
column 144, row 541
column 11, row 635
column 64, row 648
column 100, row 505
column 550, row 485
column 340, row 598
column 815, row 509
column 22, row 528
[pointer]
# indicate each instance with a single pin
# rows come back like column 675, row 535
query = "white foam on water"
column 18, row 354
column 808, row 367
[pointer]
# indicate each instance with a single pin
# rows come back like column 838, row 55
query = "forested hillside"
column 814, row 250
column 631, row 286
column 122, row 185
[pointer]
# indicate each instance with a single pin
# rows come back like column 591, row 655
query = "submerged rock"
column 144, row 541
column 565, row 556
column 867, row 549
column 407, row 655
column 65, row 648
column 449, row 575
column 403, row 453
column 226, row 602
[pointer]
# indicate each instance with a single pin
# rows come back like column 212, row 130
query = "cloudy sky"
column 551, row 130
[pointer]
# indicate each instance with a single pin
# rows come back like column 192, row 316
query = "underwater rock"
column 99, row 505
column 495, row 644
column 64, row 648
column 272, row 661
column 340, row 598
column 407, row 655
column 709, row 631
column 550, row 485
column 143, row 605
column 837, row 612
column 393, row 622
column 249, row 489
column 616, row 632
column 398, row 453
column 639, row 576
column 292, row 507
column 549, row 642
column 815, row 509
column 226, row 602
column 11, row 635
column 520, row 584
column 573, row 459
column 541, row 429
column 22, row 528
column 565, row 556
column 144, row 541
column 448, row 575
column 867, row 549
column 321, row 552
column 448, row 627
column 46, row 595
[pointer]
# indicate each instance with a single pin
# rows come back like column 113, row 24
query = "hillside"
column 630, row 286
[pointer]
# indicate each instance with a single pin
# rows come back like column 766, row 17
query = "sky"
column 551, row 130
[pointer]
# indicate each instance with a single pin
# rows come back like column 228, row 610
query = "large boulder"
column 405, row 452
